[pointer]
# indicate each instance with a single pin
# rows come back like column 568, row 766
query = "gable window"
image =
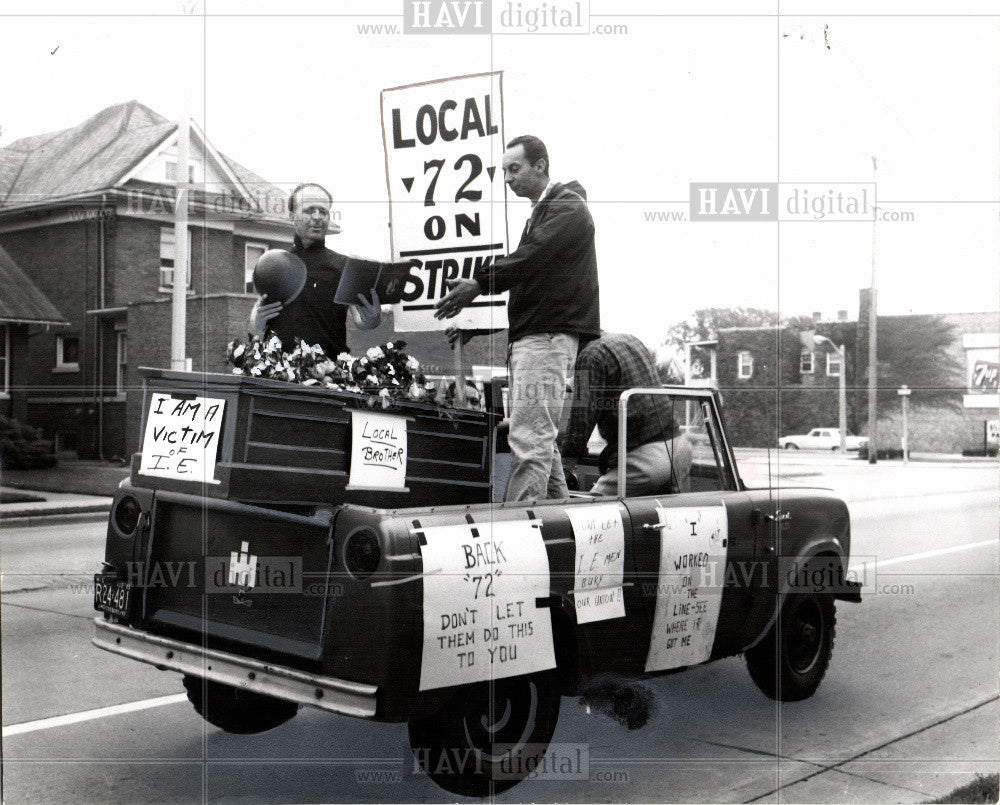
column 167, row 253
column 745, row 365
column 67, row 353
column 4, row 360
column 171, row 172
column 252, row 254
column 121, row 360
column 806, row 363
column 834, row 365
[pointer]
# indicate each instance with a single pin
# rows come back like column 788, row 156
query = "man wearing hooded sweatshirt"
column 554, row 307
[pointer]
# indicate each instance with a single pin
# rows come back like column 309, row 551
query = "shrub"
column 931, row 429
column 23, row 448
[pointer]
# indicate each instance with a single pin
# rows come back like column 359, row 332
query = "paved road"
column 906, row 712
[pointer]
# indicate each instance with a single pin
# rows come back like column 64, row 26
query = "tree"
column 915, row 351
column 706, row 323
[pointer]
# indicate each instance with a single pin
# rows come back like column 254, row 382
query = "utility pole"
column 904, row 398
column 872, row 340
column 178, row 319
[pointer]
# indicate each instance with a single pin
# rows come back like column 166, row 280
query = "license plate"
column 111, row 594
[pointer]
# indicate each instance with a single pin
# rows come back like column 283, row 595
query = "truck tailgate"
column 238, row 573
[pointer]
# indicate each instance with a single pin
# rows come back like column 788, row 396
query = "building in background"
column 778, row 380
column 25, row 313
column 87, row 213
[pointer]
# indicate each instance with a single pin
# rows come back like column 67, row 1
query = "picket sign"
column 447, row 198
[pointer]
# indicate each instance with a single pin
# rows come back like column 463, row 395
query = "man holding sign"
column 554, row 306
column 314, row 316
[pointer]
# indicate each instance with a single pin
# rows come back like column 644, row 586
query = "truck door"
column 695, row 552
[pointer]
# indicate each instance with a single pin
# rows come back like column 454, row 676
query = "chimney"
column 841, row 315
column 817, row 316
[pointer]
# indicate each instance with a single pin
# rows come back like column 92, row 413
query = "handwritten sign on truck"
column 182, row 437
column 378, row 451
column 482, row 587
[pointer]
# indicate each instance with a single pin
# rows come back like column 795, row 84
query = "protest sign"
column 378, row 451
column 484, row 586
column 181, row 439
column 443, row 148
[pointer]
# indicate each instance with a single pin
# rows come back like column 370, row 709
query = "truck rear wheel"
column 789, row 663
column 238, row 711
column 489, row 738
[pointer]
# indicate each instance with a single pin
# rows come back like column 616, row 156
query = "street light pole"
column 872, row 337
column 904, row 397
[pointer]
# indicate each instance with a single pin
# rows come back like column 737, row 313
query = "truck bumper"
column 327, row 693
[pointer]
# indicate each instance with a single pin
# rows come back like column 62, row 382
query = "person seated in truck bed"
column 313, row 316
column 659, row 456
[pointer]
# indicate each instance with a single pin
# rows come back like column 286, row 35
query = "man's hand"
column 454, row 334
column 262, row 313
column 367, row 315
column 460, row 294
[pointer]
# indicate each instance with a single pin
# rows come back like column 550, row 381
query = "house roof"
column 94, row 156
column 20, row 299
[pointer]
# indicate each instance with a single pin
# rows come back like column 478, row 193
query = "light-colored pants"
column 651, row 469
column 541, row 369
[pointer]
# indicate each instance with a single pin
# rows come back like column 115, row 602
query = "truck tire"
column 789, row 663
column 489, row 738
column 238, row 711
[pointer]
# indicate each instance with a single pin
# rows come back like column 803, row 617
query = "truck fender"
column 846, row 591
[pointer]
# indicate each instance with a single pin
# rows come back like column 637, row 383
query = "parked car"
column 284, row 573
column 821, row 439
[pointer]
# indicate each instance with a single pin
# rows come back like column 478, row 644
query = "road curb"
column 52, row 511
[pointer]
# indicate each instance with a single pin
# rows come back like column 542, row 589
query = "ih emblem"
column 243, row 567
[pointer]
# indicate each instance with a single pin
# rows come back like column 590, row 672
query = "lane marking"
column 91, row 715
column 928, row 554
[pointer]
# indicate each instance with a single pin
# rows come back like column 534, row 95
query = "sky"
column 679, row 93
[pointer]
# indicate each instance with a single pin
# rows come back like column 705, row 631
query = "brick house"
column 777, row 380
column 87, row 213
column 25, row 313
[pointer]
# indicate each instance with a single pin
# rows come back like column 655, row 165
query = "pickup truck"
column 283, row 546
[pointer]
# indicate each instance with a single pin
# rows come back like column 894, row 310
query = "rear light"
column 362, row 552
column 126, row 515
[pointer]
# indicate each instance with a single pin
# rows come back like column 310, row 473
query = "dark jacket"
column 604, row 369
column 314, row 316
column 552, row 275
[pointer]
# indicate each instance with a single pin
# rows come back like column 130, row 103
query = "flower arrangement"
column 384, row 373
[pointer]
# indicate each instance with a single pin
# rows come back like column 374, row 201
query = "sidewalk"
column 77, row 486
column 73, row 486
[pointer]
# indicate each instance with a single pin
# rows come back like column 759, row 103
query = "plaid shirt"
column 605, row 368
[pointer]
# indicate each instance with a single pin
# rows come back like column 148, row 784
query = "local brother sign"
column 443, row 145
